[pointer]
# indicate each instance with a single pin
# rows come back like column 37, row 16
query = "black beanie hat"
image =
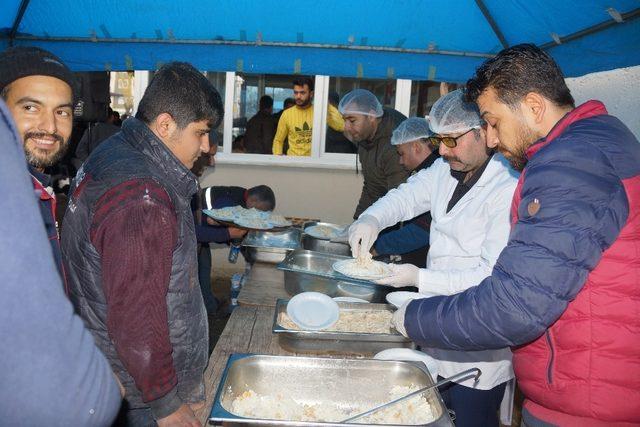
column 18, row 62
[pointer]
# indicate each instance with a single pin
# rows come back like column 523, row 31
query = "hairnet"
column 451, row 114
column 360, row 101
column 410, row 130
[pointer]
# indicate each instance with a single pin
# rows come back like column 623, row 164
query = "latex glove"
column 363, row 234
column 398, row 319
column 401, row 275
column 343, row 236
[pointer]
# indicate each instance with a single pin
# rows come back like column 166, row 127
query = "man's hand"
column 398, row 319
column 401, row 275
column 236, row 233
column 212, row 221
column 362, row 235
column 183, row 417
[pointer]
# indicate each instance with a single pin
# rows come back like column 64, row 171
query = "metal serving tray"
column 348, row 382
column 346, row 343
column 319, row 245
column 270, row 246
column 313, row 271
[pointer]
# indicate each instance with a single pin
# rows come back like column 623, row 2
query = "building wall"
column 618, row 89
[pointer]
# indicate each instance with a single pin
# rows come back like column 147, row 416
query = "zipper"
column 551, row 358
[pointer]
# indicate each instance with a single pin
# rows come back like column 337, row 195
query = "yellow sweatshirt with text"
column 296, row 125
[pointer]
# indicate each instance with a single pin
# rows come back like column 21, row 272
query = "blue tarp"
column 415, row 39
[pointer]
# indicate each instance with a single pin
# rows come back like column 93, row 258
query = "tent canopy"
column 443, row 40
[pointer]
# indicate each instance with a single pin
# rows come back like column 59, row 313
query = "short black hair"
column 264, row 194
column 183, row 92
column 266, row 102
column 517, row 71
column 288, row 102
column 334, row 98
column 303, row 80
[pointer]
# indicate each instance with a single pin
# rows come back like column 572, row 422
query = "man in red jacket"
column 565, row 291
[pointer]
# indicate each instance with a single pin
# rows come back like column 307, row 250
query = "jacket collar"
column 141, row 138
column 435, row 155
column 588, row 109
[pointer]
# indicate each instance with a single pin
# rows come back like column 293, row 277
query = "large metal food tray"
column 312, row 380
column 306, row 271
column 346, row 343
column 270, row 246
column 320, row 245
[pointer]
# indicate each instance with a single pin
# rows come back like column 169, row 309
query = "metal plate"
column 348, row 382
column 313, row 271
column 320, row 245
column 345, row 343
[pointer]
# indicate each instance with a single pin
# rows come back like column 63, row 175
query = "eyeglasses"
column 448, row 141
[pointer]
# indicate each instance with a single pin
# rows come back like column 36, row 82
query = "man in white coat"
column 468, row 192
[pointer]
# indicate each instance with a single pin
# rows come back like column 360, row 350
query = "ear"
column 164, row 126
column 534, row 107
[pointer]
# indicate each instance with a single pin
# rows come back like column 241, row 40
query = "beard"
column 516, row 154
column 39, row 158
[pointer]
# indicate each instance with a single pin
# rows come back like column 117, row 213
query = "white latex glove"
column 362, row 235
column 343, row 236
column 401, row 275
column 398, row 319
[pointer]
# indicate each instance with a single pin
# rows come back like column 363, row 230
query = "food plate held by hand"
column 366, row 269
column 252, row 219
column 323, row 232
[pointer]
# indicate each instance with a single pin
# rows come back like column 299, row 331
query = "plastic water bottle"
column 236, row 285
column 234, row 250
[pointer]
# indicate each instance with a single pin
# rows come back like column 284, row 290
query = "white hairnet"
column 360, row 101
column 451, row 114
column 410, row 130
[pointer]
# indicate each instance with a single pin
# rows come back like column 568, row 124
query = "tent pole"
column 16, row 23
column 626, row 17
column 256, row 44
column 492, row 23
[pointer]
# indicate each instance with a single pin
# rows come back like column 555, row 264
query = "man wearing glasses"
column 468, row 192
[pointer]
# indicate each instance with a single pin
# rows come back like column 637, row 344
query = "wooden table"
column 248, row 331
column 263, row 285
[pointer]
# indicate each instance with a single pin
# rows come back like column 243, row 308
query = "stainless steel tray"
column 313, row 271
column 270, row 246
column 319, row 245
column 348, row 382
column 345, row 343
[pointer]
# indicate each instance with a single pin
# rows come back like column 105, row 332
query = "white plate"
column 322, row 232
column 313, row 311
column 400, row 297
column 345, row 266
column 350, row 299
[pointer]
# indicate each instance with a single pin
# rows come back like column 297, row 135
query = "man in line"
column 261, row 128
column 296, row 123
column 130, row 249
column 564, row 292
column 416, row 153
column 38, row 89
column 468, row 192
column 370, row 126
column 52, row 372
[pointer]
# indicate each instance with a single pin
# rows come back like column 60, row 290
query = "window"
column 218, row 80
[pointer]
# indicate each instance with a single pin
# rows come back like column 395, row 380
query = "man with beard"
column 38, row 89
column 564, row 292
column 468, row 192
column 370, row 126
column 130, row 250
column 296, row 123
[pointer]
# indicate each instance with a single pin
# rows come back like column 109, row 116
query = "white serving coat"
column 464, row 246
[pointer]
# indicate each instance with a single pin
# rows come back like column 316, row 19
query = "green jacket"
column 380, row 162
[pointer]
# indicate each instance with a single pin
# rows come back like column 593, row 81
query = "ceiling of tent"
column 441, row 40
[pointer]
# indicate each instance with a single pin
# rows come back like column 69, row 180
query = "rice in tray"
column 361, row 321
column 279, row 406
